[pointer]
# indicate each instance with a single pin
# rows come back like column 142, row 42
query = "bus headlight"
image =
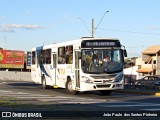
column 86, row 79
column 118, row 78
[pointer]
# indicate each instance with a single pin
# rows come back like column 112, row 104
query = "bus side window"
column 69, row 54
column 61, row 55
column 33, row 57
column 42, row 57
column 48, row 56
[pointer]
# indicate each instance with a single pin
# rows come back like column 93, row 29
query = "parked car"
column 152, row 81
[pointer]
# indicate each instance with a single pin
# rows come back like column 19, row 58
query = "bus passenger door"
column 38, row 67
column 77, row 73
column 54, row 70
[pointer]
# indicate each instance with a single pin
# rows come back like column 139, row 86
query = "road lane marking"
column 2, row 82
column 5, row 91
column 23, row 93
column 74, row 100
column 126, row 104
column 71, row 100
column 152, row 109
column 34, row 97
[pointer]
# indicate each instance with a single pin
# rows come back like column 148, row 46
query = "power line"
column 99, row 22
column 135, row 47
column 134, row 32
column 84, row 24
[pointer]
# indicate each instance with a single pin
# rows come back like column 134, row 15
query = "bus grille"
column 103, row 86
column 103, row 76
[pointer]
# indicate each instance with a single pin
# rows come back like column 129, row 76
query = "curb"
column 157, row 94
column 138, row 92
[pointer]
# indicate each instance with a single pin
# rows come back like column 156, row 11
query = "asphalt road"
column 31, row 93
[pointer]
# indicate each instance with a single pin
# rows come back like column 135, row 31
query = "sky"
column 25, row 24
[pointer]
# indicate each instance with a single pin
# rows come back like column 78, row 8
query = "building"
column 149, row 63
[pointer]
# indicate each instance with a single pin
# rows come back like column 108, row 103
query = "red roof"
column 152, row 50
column 145, row 70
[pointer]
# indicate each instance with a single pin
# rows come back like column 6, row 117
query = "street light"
column 93, row 31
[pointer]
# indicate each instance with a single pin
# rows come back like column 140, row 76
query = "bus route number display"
column 100, row 44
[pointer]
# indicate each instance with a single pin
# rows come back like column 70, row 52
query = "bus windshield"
column 102, row 61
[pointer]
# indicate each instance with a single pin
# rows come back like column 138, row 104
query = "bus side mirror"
column 125, row 53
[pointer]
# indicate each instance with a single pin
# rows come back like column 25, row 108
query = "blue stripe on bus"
column 44, row 70
column 38, row 50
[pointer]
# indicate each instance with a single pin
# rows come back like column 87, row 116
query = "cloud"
column 4, row 18
column 27, row 11
column 12, row 27
column 8, row 26
column 153, row 28
column 7, row 30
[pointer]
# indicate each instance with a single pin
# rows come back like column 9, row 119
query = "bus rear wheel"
column 105, row 92
column 69, row 87
column 44, row 85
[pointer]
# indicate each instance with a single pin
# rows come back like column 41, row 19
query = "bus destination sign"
column 100, row 43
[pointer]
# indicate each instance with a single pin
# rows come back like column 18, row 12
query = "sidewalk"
column 139, row 91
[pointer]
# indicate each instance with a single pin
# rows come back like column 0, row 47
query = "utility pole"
column 92, row 27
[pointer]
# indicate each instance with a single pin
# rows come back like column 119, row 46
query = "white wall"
column 15, row 76
column 131, row 71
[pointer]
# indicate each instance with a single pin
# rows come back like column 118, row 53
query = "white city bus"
column 80, row 65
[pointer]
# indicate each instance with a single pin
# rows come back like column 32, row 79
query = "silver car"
column 152, row 81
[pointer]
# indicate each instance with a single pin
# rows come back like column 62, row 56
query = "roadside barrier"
column 15, row 76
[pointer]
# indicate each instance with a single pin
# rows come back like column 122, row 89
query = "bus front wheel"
column 69, row 87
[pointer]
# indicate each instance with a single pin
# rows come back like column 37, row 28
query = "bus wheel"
column 69, row 87
column 44, row 85
column 105, row 92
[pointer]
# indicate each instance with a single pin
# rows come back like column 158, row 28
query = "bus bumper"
column 108, row 86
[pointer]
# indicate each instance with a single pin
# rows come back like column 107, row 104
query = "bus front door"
column 54, row 70
column 77, row 72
